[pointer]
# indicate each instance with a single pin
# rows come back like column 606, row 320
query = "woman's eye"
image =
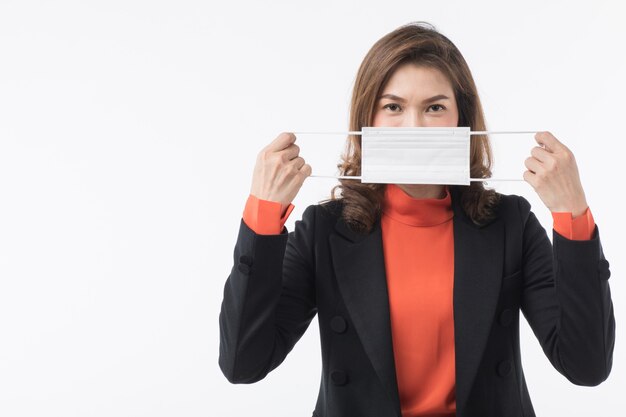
column 437, row 105
column 394, row 107
column 389, row 106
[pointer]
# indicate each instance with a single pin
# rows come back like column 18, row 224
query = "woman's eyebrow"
column 428, row 100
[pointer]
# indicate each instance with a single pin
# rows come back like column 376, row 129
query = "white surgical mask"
column 397, row 155
column 415, row 155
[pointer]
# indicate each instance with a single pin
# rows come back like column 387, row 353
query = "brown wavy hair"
column 419, row 43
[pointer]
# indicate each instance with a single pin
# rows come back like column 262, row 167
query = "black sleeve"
column 566, row 300
column 269, row 299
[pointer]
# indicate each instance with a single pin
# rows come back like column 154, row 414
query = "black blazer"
column 279, row 282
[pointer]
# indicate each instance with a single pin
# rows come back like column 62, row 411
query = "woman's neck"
column 424, row 190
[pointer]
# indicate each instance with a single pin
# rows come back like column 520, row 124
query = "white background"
column 128, row 134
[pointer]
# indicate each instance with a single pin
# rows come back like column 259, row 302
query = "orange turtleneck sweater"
column 420, row 287
column 420, row 284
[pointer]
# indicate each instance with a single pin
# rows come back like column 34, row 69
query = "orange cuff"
column 578, row 228
column 264, row 216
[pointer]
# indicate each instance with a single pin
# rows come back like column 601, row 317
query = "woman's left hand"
column 553, row 173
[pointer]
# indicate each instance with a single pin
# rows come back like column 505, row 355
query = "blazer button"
column 504, row 368
column 338, row 324
column 506, row 317
column 245, row 264
column 603, row 269
column 243, row 268
column 245, row 259
column 339, row 377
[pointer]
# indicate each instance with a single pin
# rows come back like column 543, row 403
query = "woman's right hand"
column 279, row 171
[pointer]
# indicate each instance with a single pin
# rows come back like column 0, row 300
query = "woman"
column 418, row 287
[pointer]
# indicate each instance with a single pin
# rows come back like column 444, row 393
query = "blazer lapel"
column 360, row 271
column 478, row 259
column 478, row 263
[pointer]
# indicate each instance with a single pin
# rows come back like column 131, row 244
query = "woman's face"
column 416, row 96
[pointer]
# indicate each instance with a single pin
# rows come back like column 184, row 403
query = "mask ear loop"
column 357, row 132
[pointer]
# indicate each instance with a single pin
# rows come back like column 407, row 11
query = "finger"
column 548, row 140
column 281, row 142
column 530, row 178
column 540, row 154
column 298, row 163
column 290, row 152
column 292, row 172
column 306, row 171
column 533, row 165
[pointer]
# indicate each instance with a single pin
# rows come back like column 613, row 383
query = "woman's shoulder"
column 323, row 214
column 327, row 209
column 513, row 204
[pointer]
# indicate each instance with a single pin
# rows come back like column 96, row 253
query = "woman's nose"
column 412, row 119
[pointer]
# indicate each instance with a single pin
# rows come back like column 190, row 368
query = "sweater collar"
column 416, row 211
